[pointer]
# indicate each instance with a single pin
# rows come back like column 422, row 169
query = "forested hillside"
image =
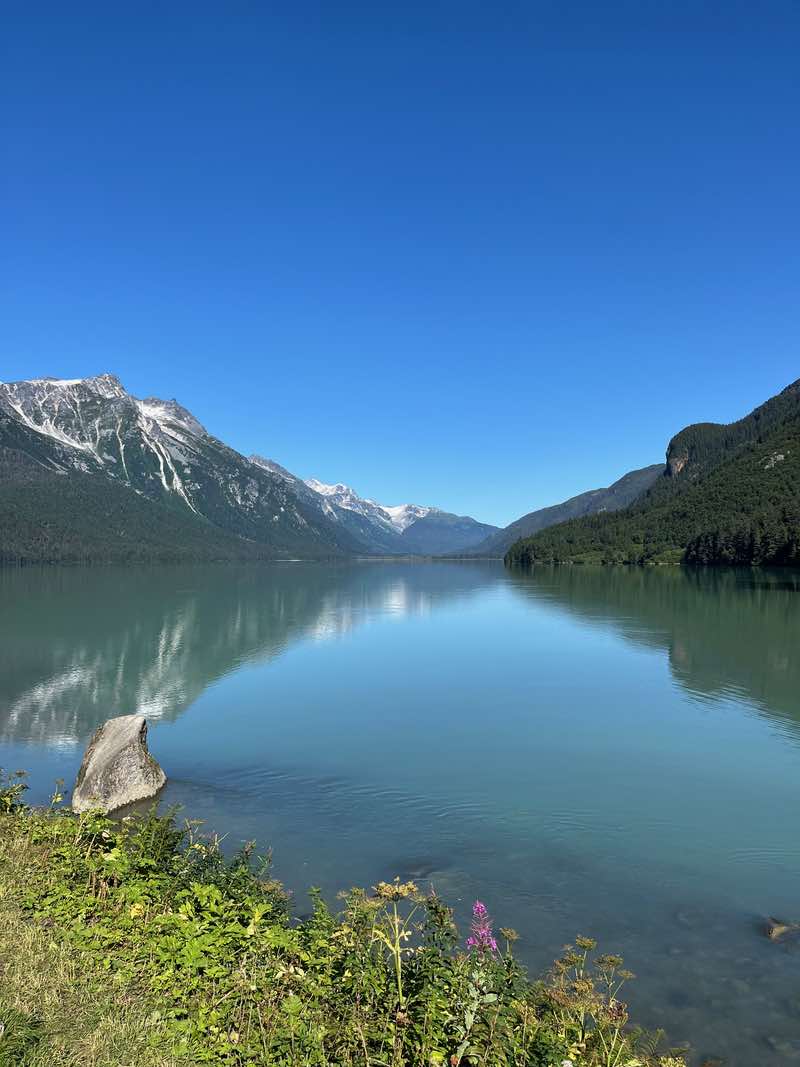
column 730, row 494
column 50, row 517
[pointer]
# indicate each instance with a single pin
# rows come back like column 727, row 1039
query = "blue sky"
column 482, row 256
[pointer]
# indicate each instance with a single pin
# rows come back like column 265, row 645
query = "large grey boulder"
column 117, row 768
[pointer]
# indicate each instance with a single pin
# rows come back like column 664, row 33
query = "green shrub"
column 12, row 786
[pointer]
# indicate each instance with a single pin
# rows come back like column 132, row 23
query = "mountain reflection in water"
column 78, row 645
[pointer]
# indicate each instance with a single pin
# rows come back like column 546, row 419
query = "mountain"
column 393, row 518
column 728, row 494
column 90, row 472
column 390, row 529
column 409, row 529
column 368, row 536
column 69, row 444
column 440, row 533
column 621, row 494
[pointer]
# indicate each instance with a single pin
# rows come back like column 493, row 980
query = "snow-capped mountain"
column 396, row 517
column 402, row 515
column 159, row 450
column 393, row 529
column 406, row 528
column 371, row 533
column 92, row 427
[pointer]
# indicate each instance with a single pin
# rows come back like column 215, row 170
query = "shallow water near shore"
column 612, row 752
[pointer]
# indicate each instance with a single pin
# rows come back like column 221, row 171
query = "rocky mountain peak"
column 170, row 413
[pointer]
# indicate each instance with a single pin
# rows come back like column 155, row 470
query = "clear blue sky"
column 483, row 256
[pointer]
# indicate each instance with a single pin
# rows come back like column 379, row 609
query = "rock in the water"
column 778, row 928
column 117, row 768
column 787, row 1049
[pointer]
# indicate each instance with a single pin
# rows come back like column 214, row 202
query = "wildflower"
column 481, row 936
column 617, row 1012
column 609, row 962
column 395, row 890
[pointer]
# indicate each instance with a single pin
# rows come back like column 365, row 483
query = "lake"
column 612, row 752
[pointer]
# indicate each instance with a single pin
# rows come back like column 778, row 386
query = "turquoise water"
column 613, row 752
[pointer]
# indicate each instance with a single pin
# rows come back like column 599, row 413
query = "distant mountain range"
column 90, row 472
column 727, row 494
column 401, row 529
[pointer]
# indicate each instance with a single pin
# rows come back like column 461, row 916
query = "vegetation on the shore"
column 134, row 942
column 730, row 495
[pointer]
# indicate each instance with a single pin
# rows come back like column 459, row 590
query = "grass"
column 57, row 1007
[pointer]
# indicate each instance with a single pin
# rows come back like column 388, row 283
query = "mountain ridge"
column 92, row 428
column 618, row 495
column 160, row 451
column 419, row 529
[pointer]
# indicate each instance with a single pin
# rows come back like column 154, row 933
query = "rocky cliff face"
column 676, row 461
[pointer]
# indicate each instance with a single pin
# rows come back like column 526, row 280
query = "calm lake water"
column 613, row 752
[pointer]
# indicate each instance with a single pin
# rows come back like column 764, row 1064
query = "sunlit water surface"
column 611, row 752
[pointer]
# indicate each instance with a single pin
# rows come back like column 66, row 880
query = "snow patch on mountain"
column 328, row 490
column 398, row 516
column 39, row 404
column 98, row 417
column 402, row 515
column 171, row 416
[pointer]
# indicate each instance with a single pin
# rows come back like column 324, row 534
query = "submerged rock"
column 117, row 768
column 416, row 867
column 776, row 929
column 787, row 1048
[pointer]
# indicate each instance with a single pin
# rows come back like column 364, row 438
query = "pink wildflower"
column 481, row 936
